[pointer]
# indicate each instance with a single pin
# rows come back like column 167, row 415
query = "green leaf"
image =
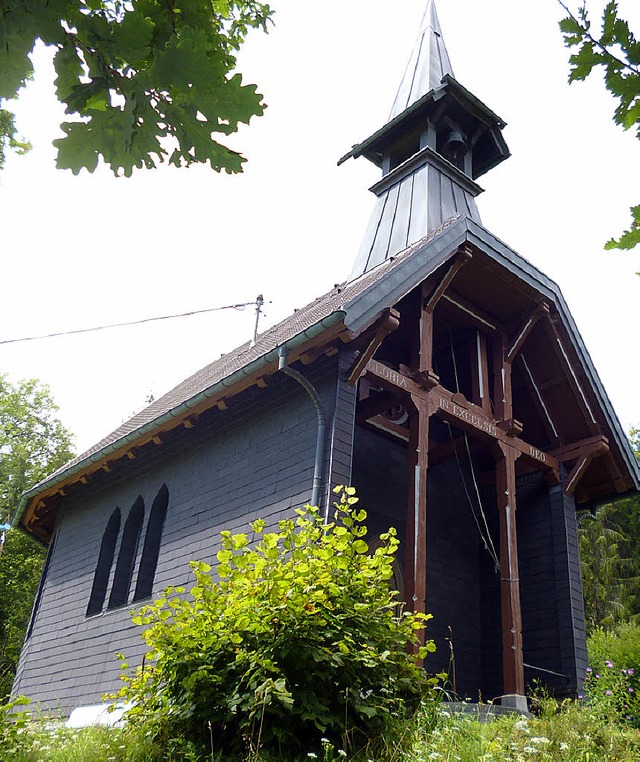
column 630, row 238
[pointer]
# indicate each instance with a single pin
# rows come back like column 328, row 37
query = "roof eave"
column 180, row 411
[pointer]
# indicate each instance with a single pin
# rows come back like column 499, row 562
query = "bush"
column 613, row 676
column 296, row 641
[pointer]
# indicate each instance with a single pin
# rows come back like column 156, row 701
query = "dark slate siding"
column 572, row 630
column 340, row 444
column 254, row 459
column 453, row 573
column 550, row 586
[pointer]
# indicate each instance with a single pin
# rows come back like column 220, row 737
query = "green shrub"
column 613, row 676
column 13, row 723
column 296, row 641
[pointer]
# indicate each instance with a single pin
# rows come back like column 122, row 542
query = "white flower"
column 540, row 739
column 311, row 755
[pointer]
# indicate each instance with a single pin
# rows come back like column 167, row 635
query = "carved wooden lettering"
column 537, row 454
column 475, row 420
column 391, row 375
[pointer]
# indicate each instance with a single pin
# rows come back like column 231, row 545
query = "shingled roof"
column 353, row 306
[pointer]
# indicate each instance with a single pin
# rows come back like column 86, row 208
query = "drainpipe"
column 322, row 421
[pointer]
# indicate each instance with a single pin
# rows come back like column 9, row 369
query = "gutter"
column 321, row 418
column 179, row 411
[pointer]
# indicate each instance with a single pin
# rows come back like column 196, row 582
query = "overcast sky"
column 88, row 250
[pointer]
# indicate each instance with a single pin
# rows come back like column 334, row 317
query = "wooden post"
column 416, row 545
column 512, row 662
column 502, row 380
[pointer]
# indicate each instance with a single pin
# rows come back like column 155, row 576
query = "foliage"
column 610, row 560
column 613, row 679
column 568, row 732
column 8, row 137
column 33, row 443
column 13, row 723
column 141, row 77
column 297, row 640
column 615, row 49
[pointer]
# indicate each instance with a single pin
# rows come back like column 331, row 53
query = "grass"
column 571, row 732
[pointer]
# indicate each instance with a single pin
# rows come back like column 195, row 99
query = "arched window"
column 43, row 579
column 151, row 549
column 127, row 555
column 103, row 567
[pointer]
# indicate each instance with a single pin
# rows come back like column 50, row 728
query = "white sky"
column 87, row 250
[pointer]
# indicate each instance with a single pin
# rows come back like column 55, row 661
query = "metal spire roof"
column 427, row 66
column 438, row 140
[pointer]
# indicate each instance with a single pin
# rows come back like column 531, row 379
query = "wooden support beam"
column 416, row 532
column 572, row 451
column 454, row 408
column 514, row 345
column 222, row 405
column 480, row 378
column 463, row 256
column 391, row 427
column 502, row 394
column 374, row 404
column 512, row 659
column 157, row 440
column 583, row 457
column 559, row 348
column 535, row 393
column 472, row 314
column 389, row 322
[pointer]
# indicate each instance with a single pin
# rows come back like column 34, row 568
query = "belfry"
column 446, row 380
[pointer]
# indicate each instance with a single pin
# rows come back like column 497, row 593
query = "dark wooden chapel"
column 446, row 380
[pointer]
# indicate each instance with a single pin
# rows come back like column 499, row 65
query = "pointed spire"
column 428, row 64
column 438, row 140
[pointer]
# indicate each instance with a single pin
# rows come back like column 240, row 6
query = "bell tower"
column 439, row 139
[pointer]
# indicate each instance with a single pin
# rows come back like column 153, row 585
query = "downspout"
column 322, row 421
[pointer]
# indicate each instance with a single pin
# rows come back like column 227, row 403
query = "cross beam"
column 456, row 409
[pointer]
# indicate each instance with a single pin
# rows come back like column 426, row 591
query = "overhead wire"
column 239, row 306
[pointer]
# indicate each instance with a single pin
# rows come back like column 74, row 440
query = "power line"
column 132, row 322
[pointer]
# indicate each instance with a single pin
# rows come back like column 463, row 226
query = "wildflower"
column 624, row 671
column 311, row 755
column 580, row 696
column 631, row 672
column 564, row 746
column 540, row 740
column 630, row 689
column 608, row 664
column 589, row 670
column 342, row 753
column 597, row 677
column 608, row 693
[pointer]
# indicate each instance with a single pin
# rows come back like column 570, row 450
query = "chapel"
column 446, row 380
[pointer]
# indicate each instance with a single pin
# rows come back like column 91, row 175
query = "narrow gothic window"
column 127, row 555
column 103, row 567
column 43, row 579
column 151, row 549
